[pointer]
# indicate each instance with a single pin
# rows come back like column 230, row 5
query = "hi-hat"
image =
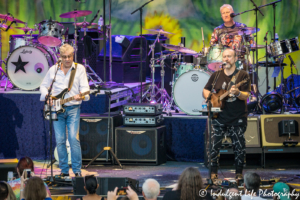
column 75, row 14
column 10, row 18
column 26, row 29
column 161, row 31
column 179, row 49
column 248, row 30
column 85, row 24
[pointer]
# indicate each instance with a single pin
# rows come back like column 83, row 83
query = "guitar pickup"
column 216, row 109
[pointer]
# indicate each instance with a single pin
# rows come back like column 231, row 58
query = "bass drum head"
column 28, row 65
column 187, row 91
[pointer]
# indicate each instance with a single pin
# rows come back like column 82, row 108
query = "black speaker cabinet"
column 105, row 184
column 7, row 165
column 270, row 129
column 143, row 145
column 93, row 134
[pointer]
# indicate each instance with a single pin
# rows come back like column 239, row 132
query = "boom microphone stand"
column 141, row 45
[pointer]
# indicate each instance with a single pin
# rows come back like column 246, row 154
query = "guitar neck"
column 63, row 101
column 227, row 92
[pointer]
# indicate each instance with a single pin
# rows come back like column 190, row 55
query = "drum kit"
column 31, row 55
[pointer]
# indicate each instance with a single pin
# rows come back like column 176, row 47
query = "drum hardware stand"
column 292, row 91
column 108, row 149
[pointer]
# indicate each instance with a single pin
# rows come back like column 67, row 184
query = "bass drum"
column 27, row 66
column 187, row 90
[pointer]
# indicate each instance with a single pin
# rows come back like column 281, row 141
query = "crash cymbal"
column 10, row 18
column 254, row 46
column 85, row 24
column 179, row 49
column 26, row 29
column 270, row 64
column 75, row 13
column 248, row 30
column 161, row 31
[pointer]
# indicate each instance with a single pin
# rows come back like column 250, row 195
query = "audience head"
column 11, row 194
column 90, row 184
column 3, row 190
column 24, row 163
column 282, row 190
column 190, row 183
column 232, row 194
column 35, row 189
column 151, row 189
column 251, row 182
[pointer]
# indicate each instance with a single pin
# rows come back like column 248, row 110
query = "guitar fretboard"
column 227, row 92
column 63, row 101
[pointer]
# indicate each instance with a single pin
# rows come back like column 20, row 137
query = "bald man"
column 232, row 121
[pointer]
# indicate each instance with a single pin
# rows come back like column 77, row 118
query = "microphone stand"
column 141, row 45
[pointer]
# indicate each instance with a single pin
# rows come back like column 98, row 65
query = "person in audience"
column 188, row 188
column 23, row 164
column 232, row 194
column 151, row 189
column 251, row 186
column 3, row 191
column 90, row 186
column 131, row 194
column 282, row 190
column 34, row 189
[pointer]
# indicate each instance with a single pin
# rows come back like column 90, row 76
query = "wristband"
column 238, row 94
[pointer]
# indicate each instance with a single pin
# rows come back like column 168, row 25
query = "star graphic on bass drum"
column 20, row 65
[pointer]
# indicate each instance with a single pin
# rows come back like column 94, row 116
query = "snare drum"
column 27, row 65
column 50, row 33
column 16, row 41
column 284, row 47
column 187, row 90
column 183, row 67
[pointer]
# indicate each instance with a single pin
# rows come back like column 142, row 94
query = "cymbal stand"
column 164, row 96
column 153, row 87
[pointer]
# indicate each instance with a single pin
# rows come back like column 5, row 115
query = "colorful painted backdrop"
column 182, row 17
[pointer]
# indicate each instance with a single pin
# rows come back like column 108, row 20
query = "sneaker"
column 63, row 175
column 78, row 174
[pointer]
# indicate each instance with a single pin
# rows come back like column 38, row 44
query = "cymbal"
column 179, row 49
column 10, row 18
column 76, row 13
column 85, row 24
column 254, row 46
column 248, row 30
column 26, row 29
column 270, row 64
column 161, row 31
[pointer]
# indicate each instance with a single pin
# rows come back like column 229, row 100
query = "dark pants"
column 236, row 133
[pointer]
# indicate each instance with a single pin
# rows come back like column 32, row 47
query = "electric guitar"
column 217, row 99
column 58, row 103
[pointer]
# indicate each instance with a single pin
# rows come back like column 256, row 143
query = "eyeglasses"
column 89, row 177
column 69, row 56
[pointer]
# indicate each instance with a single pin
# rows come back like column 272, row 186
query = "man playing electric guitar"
column 62, row 73
column 232, row 121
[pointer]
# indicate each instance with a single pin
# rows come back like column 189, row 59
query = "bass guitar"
column 58, row 103
column 217, row 99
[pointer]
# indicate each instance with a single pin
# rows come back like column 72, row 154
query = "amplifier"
column 143, row 120
column 142, row 109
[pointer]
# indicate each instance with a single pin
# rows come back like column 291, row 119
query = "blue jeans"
column 70, row 119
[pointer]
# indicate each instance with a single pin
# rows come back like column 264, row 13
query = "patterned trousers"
column 236, row 133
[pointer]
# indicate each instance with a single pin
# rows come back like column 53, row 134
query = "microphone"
column 224, row 63
column 232, row 15
column 10, row 25
column 265, row 38
column 292, row 61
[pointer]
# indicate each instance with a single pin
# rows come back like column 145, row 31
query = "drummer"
column 227, row 33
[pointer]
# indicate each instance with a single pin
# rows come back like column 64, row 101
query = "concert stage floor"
column 166, row 174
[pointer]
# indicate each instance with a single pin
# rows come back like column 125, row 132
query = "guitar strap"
column 215, row 80
column 233, row 79
column 72, row 76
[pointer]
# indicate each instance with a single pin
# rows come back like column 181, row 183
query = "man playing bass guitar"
column 62, row 73
column 232, row 121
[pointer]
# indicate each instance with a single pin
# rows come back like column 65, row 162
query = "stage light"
column 271, row 102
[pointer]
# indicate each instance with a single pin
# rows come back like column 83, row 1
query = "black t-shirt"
column 175, row 195
column 235, row 110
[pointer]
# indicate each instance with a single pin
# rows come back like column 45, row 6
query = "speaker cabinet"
column 144, row 145
column 93, row 134
column 270, row 129
column 105, row 185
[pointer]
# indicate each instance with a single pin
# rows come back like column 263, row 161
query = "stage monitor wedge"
column 270, row 129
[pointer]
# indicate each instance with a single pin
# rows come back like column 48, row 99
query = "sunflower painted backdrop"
column 182, row 17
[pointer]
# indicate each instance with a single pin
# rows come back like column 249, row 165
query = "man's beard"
column 228, row 66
